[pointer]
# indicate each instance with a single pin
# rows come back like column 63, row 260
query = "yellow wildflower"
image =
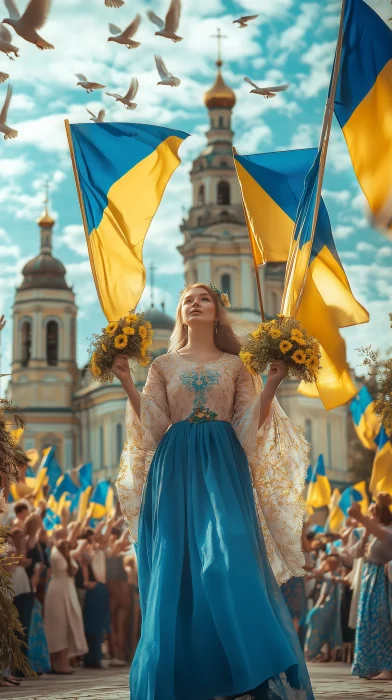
column 275, row 333
column 104, row 348
column 299, row 357
column 143, row 331
column 111, row 328
column 148, row 325
column 128, row 330
column 285, row 346
column 297, row 336
column 312, row 363
column 120, row 341
column 131, row 318
column 257, row 333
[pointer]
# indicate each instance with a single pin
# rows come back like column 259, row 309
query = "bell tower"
column 216, row 245
column 44, row 366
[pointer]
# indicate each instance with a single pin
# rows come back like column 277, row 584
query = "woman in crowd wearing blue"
column 216, row 471
column 324, row 625
column 373, row 638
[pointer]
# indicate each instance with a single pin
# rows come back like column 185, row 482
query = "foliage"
column 130, row 335
column 9, row 451
column 382, row 370
column 283, row 339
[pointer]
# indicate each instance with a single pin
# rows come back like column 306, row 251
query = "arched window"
column 221, row 123
column 308, row 437
column 101, row 447
column 223, row 192
column 119, row 439
column 226, row 284
column 223, row 164
column 26, row 343
column 52, row 343
column 201, row 196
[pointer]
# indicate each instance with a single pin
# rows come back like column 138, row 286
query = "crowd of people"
column 342, row 608
column 75, row 589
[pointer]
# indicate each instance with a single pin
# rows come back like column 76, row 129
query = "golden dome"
column 45, row 219
column 220, row 95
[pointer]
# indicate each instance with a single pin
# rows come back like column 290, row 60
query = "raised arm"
column 371, row 525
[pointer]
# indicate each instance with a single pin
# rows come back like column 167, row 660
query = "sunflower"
column 104, row 348
column 275, row 333
column 285, row 346
column 299, row 357
column 120, row 341
column 148, row 325
column 143, row 331
column 131, row 318
column 128, row 330
column 111, row 328
column 225, row 300
column 95, row 370
column 312, row 363
column 257, row 333
column 297, row 336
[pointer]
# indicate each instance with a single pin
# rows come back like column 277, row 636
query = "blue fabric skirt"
column 214, row 621
column 295, row 597
column 373, row 637
column 324, row 624
column 38, row 653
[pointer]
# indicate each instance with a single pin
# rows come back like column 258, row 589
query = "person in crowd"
column 373, row 638
column 119, row 594
column 324, row 626
column 134, row 621
column 21, row 510
column 23, row 595
column 63, row 615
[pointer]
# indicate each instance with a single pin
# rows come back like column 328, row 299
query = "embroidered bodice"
column 179, row 389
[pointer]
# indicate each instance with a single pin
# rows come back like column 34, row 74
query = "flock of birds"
column 34, row 18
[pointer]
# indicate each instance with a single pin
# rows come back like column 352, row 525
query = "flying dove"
column 5, row 42
column 267, row 92
column 131, row 94
column 34, row 18
column 97, row 119
column 84, row 83
column 243, row 21
column 114, row 3
column 4, row 129
column 166, row 77
column 124, row 37
column 169, row 27
column 3, row 77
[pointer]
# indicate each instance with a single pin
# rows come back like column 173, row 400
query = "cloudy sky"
column 291, row 41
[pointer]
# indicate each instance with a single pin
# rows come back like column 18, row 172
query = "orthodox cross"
column 219, row 37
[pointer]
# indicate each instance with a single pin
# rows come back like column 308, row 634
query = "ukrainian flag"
column 382, row 465
column 326, row 303
column 81, row 498
column 123, row 170
column 319, row 491
column 354, row 494
column 50, row 468
column 101, row 501
column 336, row 516
column 64, row 491
column 366, row 423
column 363, row 104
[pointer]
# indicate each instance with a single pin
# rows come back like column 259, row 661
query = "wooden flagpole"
column 324, row 140
column 256, row 269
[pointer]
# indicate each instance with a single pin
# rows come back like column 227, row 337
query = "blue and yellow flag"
column 123, row 170
column 319, row 491
column 326, row 302
column 50, row 468
column 382, row 465
column 354, row 494
column 81, row 499
column 366, row 423
column 62, row 495
column 101, row 501
column 363, row 104
column 336, row 516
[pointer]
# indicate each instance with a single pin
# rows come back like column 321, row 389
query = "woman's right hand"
column 120, row 368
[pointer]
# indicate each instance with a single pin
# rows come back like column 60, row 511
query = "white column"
column 36, row 334
column 246, row 285
column 16, row 339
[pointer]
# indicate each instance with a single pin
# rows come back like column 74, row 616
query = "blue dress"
column 324, row 621
column 38, row 652
column 214, row 621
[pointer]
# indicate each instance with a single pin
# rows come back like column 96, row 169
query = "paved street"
column 330, row 682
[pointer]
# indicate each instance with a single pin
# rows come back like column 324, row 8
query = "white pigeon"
column 266, row 92
column 124, row 37
column 131, row 94
column 168, row 28
column 4, row 129
column 3, row 77
column 5, row 42
column 33, row 18
column 166, row 77
column 114, row 3
column 86, row 84
column 99, row 118
column 243, row 21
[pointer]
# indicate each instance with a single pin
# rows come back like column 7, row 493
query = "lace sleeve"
column 143, row 437
column 278, row 457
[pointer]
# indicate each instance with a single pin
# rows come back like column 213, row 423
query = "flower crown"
column 222, row 296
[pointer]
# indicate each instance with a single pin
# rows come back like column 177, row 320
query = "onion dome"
column 220, row 95
column 159, row 319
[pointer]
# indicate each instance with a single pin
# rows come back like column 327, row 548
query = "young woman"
column 373, row 636
column 223, row 489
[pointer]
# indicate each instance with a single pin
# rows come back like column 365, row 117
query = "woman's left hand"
column 277, row 372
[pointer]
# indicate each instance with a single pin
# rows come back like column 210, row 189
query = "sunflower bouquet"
column 283, row 339
column 130, row 335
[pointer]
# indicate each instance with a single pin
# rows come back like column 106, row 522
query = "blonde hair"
column 225, row 338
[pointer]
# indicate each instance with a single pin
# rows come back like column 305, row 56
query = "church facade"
column 64, row 406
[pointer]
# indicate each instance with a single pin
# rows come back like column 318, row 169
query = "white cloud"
column 348, row 255
column 384, row 252
column 12, row 167
column 343, row 196
column 342, row 231
column 304, row 137
column 291, row 39
column 364, row 247
column 74, row 237
column 9, row 251
column 320, row 58
column 258, row 138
